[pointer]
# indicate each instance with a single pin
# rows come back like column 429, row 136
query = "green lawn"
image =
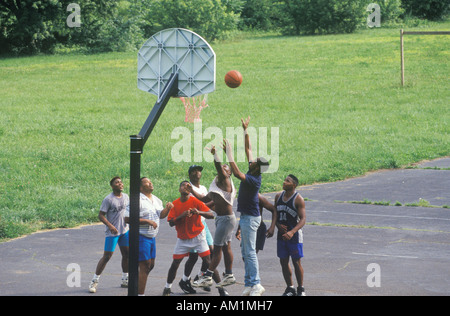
column 65, row 120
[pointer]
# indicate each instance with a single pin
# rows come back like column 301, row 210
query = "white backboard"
column 177, row 50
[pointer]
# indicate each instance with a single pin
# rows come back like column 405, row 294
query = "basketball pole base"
column 136, row 150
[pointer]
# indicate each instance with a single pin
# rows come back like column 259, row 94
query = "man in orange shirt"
column 186, row 217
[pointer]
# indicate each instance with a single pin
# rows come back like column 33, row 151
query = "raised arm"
column 248, row 146
column 203, row 198
column 234, row 168
column 217, row 163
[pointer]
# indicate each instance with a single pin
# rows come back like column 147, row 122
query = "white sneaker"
column 93, row 286
column 204, row 281
column 257, row 290
column 247, row 291
column 228, row 279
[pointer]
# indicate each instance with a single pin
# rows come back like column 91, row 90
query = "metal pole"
column 136, row 149
column 135, row 175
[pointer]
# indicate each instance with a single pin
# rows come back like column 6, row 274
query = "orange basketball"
column 233, row 79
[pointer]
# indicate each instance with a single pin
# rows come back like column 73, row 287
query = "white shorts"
column 185, row 246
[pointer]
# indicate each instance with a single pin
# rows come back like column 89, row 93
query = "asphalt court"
column 410, row 245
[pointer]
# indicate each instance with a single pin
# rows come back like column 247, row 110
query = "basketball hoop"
column 194, row 106
column 172, row 63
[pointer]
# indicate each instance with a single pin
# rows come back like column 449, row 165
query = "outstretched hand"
column 245, row 123
column 212, row 150
column 226, row 146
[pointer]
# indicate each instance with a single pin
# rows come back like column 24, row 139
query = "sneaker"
column 290, row 291
column 124, row 284
column 93, row 286
column 247, row 291
column 257, row 290
column 206, row 288
column 167, row 292
column 228, row 279
column 223, row 292
column 204, row 281
column 301, row 291
column 187, row 287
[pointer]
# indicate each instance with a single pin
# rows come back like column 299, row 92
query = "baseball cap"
column 263, row 164
column 195, row 167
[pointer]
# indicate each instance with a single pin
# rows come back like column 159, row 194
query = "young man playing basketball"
column 222, row 192
column 195, row 175
column 186, row 217
column 111, row 214
column 248, row 206
column 150, row 212
column 291, row 218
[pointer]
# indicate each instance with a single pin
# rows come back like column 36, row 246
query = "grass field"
column 65, row 120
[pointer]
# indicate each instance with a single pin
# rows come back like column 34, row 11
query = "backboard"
column 177, row 50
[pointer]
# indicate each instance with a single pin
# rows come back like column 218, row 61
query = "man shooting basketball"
column 248, row 206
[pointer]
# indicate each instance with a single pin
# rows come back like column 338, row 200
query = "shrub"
column 427, row 9
column 391, row 10
column 320, row 16
column 211, row 19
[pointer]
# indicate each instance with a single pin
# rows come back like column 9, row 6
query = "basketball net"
column 193, row 107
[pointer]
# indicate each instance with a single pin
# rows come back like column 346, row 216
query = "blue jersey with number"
column 287, row 215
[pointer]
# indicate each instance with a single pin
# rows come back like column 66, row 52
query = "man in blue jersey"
column 248, row 206
column 291, row 218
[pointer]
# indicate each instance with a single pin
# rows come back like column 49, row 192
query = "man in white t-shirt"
column 150, row 212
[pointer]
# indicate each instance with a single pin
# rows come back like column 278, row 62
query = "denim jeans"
column 249, row 227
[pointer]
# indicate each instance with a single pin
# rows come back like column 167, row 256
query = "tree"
column 28, row 26
column 258, row 14
column 211, row 19
column 95, row 17
column 427, row 9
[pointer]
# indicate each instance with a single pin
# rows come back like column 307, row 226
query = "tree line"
column 45, row 26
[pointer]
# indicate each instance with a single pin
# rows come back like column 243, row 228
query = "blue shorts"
column 111, row 242
column 286, row 249
column 147, row 248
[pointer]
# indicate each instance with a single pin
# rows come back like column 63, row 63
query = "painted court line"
column 380, row 255
column 379, row 215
